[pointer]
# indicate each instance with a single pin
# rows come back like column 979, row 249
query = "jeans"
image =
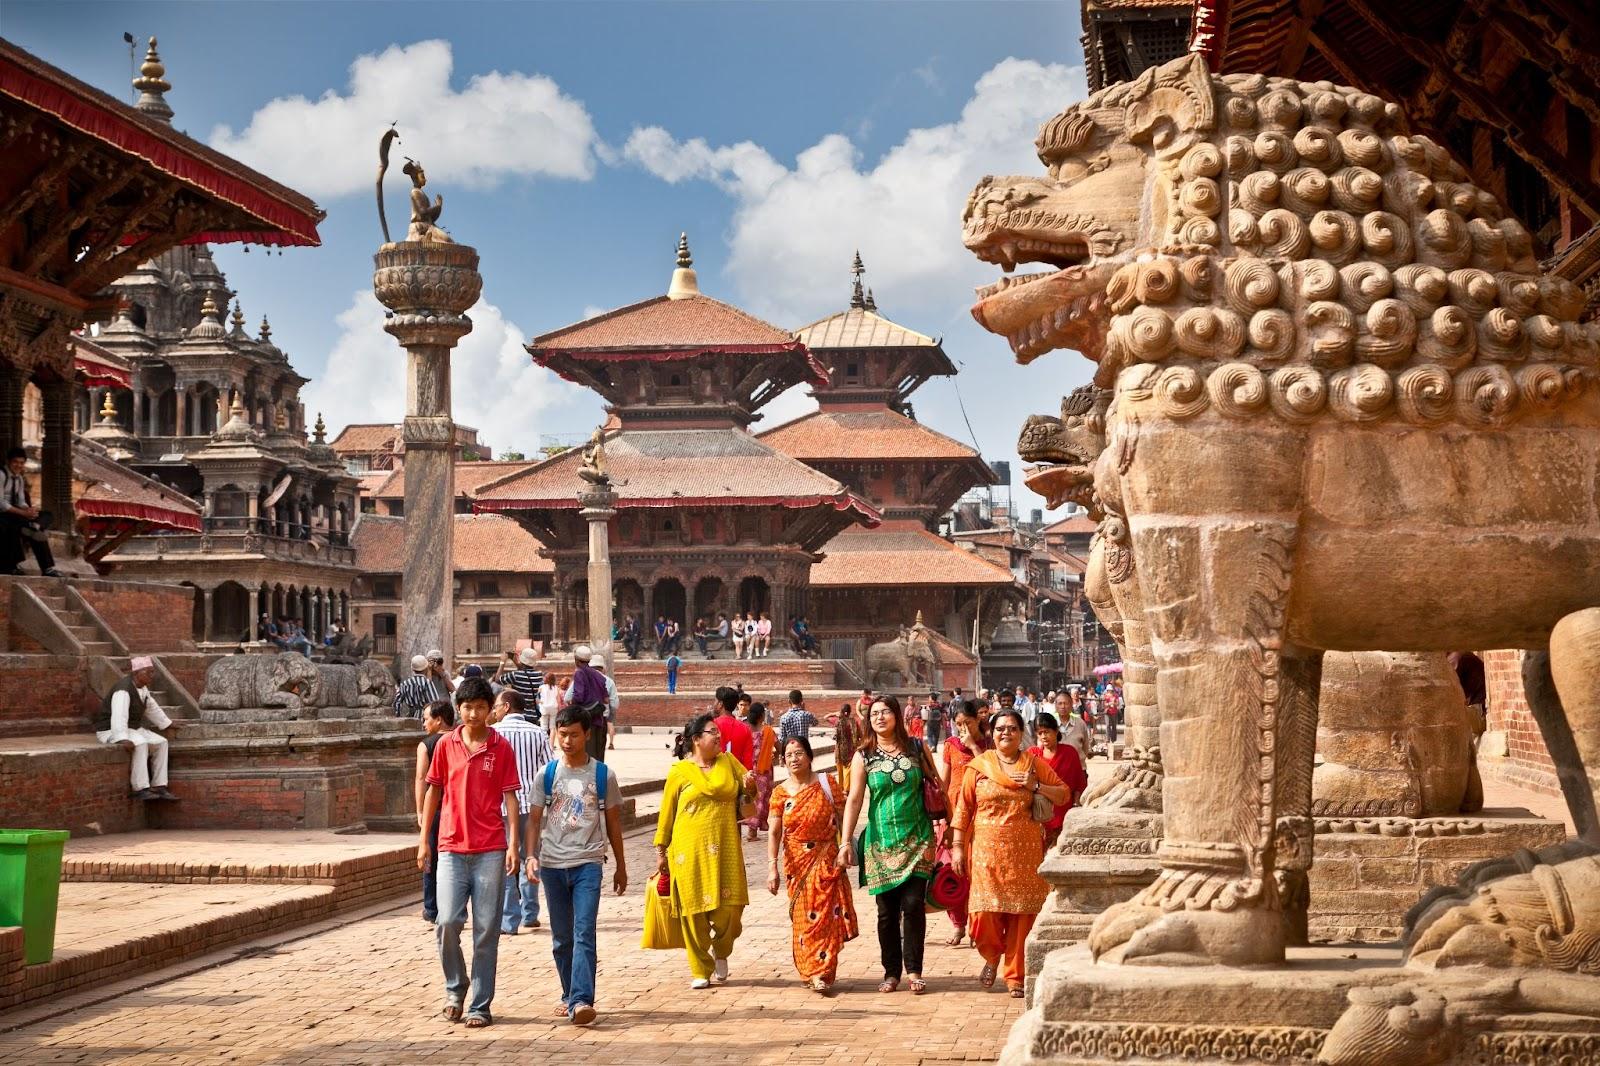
column 1111, row 728
column 479, row 877
column 902, row 926
column 573, row 896
column 521, row 903
column 15, row 543
column 672, row 681
column 430, row 876
column 935, row 731
column 700, row 642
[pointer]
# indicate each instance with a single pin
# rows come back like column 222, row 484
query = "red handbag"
column 933, row 797
column 664, row 885
column 947, row 889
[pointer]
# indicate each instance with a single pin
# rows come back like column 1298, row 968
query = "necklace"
column 1009, row 762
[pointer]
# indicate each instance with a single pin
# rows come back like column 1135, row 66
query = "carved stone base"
column 1103, row 857
column 1086, row 1014
column 1369, row 872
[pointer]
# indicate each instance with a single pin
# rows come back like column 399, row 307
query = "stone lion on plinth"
column 1347, row 411
column 286, row 679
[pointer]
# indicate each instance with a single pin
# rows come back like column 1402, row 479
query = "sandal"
column 480, row 1021
column 889, row 984
column 986, row 976
column 819, row 985
column 918, row 986
column 452, row 1012
column 562, row 1011
column 955, row 939
column 1017, row 991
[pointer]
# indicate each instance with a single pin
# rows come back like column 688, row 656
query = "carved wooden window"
column 384, row 630
column 539, row 585
column 488, row 630
column 383, row 588
column 488, row 587
column 541, row 625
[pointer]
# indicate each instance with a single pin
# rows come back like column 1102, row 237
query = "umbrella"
column 1108, row 668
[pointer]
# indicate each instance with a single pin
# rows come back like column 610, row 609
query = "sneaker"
column 52, row 572
column 720, row 974
column 699, row 984
column 582, row 1014
column 531, row 925
column 508, row 932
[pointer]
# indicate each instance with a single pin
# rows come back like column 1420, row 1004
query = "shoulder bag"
column 933, row 797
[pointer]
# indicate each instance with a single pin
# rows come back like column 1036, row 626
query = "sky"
column 572, row 142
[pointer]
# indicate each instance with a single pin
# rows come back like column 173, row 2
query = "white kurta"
column 149, row 764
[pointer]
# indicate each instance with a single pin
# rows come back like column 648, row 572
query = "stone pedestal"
column 1089, row 1013
column 429, row 287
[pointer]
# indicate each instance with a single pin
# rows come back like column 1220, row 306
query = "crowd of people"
column 934, row 805
column 748, row 635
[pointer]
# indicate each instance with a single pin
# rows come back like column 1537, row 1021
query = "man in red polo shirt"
column 472, row 786
column 736, row 736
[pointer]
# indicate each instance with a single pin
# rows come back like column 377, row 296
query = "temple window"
column 488, row 630
column 384, row 588
column 488, row 587
column 384, row 631
column 541, row 625
column 540, row 585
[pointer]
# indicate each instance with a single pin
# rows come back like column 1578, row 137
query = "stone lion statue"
column 365, row 684
column 1339, row 385
column 284, row 680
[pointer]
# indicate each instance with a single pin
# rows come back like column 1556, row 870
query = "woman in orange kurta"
column 993, row 822
column 804, row 815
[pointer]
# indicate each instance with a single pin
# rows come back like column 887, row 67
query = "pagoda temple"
column 710, row 518
column 873, row 580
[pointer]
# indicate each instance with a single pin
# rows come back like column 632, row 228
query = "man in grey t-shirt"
column 568, row 828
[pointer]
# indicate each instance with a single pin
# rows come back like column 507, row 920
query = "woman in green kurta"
column 897, row 847
column 698, row 847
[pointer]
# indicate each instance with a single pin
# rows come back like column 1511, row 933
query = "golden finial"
column 108, row 410
column 684, row 283
column 238, row 318
column 857, row 299
column 918, row 623
column 152, row 86
column 266, row 331
column 208, row 306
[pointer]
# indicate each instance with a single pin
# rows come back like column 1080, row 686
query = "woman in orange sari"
column 966, row 742
column 766, row 749
column 993, row 822
column 805, row 814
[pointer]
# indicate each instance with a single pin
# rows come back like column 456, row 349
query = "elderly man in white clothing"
column 129, row 717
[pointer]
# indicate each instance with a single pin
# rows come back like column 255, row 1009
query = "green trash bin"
column 30, row 885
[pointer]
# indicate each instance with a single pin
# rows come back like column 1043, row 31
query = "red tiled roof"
column 874, row 433
column 859, row 558
column 100, row 367
column 371, row 483
column 281, row 215
column 115, row 492
column 469, row 477
column 658, row 323
column 364, row 438
column 1067, row 526
column 484, row 543
column 671, row 468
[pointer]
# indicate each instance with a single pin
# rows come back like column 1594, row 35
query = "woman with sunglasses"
column 993, row 824
column 804, row 817
column 897, row 846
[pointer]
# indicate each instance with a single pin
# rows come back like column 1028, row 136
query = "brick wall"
column 1513, row 750
column 149, row 617
column 44, row 694
column 76, row 784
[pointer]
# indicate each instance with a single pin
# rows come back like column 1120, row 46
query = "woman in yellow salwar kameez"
column 805, row 813
column 698, row 846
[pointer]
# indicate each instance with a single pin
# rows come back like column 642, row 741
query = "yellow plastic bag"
column 661, row 928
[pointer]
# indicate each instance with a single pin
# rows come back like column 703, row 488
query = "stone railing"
column 238, row 543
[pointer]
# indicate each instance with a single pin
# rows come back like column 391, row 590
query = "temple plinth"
column 428, row 286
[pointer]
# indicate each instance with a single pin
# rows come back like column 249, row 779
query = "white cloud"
column 794, row 228
column 495, row 386
column 496, row 126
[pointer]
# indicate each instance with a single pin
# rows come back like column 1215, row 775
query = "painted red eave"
column 1208, row 31
column 98, row 367
column 287, row 217
column 544, row 356
column 134, row 512
column 868, row 515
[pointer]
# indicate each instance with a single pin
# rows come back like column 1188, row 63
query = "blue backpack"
column 550, row 782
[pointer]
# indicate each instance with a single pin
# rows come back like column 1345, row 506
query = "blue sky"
column 572, row 142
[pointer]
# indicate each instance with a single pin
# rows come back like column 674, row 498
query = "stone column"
column 181, row 425
column 598, row 505
column 255, row 613
column 206, row 611
column 428, row 286
column 55, row 458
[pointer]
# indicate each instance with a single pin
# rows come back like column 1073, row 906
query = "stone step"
column 97, row 647
column 33, row 727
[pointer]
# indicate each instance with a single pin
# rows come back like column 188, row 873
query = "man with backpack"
column 573, row 815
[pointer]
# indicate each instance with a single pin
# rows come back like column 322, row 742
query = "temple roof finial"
column 153, row 86
column 684, row 281
column 108, row 411
column 237, row 320
column 266, row 331
column 857, row 299
column 210, row 324
column 320, row 430
column 872, row 302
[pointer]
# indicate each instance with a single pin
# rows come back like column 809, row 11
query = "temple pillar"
column 180, row 427
column 55, row 457
column 205, row 610
column 255, row 613
column 597, row 507
column 428, row 286
column 13, row 382
column 252, row 510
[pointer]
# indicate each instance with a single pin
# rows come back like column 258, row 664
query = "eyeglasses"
column 881, row 712
column 1006, row 729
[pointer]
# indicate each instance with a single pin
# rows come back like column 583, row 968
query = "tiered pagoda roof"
column 891, row 558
